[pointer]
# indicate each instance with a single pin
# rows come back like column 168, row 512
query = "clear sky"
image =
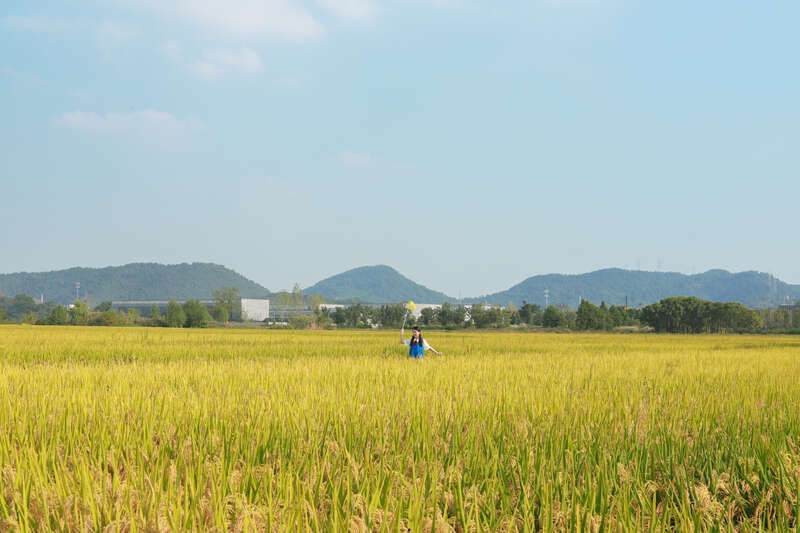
column 469, row 144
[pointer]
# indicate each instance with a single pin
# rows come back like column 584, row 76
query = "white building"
column 256, row 310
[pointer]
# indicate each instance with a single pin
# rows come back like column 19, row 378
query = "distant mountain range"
column 380, row 284
column 383, row 284
column 375, row 284
column 613, row 285
column 135, row 281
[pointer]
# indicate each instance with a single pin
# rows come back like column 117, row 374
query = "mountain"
column 753, row 289
column 375, row 284
column 383, row 284
column 135, row 281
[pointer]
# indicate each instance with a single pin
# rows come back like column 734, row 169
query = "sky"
column 468, row 144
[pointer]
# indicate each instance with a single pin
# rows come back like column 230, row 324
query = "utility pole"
column 546, row 298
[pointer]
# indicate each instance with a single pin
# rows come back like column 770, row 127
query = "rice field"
column 145, row 429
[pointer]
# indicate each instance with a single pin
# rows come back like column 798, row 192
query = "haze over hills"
column 384, row 284
column 753, row 289
column 380, row 284
column 375, row 284
column 135, row 281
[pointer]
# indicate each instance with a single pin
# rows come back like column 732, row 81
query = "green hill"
column 753, row 289
column 375, row 284
column 136, row 281
column 383, row 284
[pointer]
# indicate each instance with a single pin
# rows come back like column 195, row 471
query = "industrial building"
column 255, row 309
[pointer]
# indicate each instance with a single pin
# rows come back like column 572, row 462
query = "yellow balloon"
column 411, row 305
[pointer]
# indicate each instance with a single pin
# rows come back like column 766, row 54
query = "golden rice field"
column 145, row 429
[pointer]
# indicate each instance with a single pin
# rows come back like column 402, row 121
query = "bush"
column 174, row 317
column 553, row 318
column 220, row 313
column 58, row 317
column 103, row 307
column 79, row 314
column 106, row 318
column 685, row 314
column 196, row 314
column 301, row 322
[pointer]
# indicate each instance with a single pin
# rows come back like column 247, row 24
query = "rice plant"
column 131, row 429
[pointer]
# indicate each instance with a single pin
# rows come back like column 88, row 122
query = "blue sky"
column 468, row 144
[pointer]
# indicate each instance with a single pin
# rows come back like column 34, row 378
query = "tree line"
column 481, row 316
column 687, row 314
column 784, row 319
column 670, row 315
column 190, row 314
column 23, row 309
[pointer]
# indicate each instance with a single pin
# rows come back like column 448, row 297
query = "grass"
column 152, row 429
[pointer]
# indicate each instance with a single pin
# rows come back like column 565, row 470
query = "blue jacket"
column 417, row 351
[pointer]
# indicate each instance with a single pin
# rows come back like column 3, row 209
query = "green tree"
column 480, row 316
column 586, row 317
column 103, row 307
column 323, row 321
column 107, row 318
column 358, row 316
column 339, row 317
column 282, row 302
column 569, row 316
column 427, row 316
column 747, row 319
column 604, row 319
column 314, row 301
column 322, row 317
column 220, row 313
column 445, row 315
column 2, row 315
column 155, row 313
column 20, row 307
column 514, row 318
column 301, row 322
column 174, row 317
column 79, row 314
column 618, row 316
column 553, row 318
column 58, row 316
column 457, row 316
column 633, row 315
column 297, row 296
column 132, row 315
column 685, row 314
column 230, row 299
column 196, row 314
column 504, row 315
column 391, row 315
column 530, row 314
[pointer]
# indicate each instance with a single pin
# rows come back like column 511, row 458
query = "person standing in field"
column 416, row 344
